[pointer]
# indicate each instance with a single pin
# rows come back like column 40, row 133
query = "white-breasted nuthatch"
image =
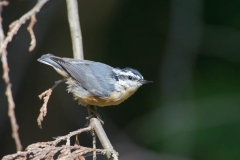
column 95, row 83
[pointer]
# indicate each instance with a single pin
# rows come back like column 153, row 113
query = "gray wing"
column 93, row 76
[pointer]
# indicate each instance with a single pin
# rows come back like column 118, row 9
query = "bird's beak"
column 145, row 81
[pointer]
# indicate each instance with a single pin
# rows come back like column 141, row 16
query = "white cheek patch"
column 123, row 83
column 128, row 83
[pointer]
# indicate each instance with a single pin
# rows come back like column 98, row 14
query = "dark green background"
column 190, row 49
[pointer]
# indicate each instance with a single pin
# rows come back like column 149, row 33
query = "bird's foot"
column 94, row 116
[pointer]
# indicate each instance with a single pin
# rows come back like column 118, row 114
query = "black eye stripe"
column 125, row 77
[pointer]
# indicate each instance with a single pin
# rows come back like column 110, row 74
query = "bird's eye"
column 130, row 77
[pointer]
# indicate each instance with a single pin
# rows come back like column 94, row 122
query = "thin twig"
column 11, row 104
column 45, row 96
column 32, row 35
column 4, row 3
column 74, row 24
column 43, row 110
column 51, row 149
column 94, row 145
column 14, row 27
column 6, row 78
column 97, row 127
column 45, row 150
column 67, row 137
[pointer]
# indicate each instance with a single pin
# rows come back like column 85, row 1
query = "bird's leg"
column 92, row 112
column 56, row 83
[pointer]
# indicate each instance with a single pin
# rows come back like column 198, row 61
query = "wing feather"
column 84, row 72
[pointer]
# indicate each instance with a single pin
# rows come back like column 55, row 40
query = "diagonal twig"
column 32, row 35
column 67, row 137
column 14, row 27
column 51, row 149
column 4, row 3
column 43, row 110
column 11, row 104
column 45, row 96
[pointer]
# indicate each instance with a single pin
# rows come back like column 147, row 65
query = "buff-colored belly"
column 85, row 98
column 115, row 99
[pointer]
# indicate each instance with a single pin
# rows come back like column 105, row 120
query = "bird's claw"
column 94, row 116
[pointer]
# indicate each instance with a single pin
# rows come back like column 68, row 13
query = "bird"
column 95, row 83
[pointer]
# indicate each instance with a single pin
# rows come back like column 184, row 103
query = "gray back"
column 94, row 76
column 103, row 74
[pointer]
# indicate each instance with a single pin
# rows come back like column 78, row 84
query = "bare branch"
column 4, row 3
column 74, row 24
column 67, row 137
column 30, row 30
column 97, row 127
column 45, row 96
column 47, row 150
column 11, row 104
column 43, row 110
column 14, row 27
column 44, row 150
column 94, row 145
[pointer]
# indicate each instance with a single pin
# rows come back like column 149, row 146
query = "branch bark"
column 74, row 24
column 76, row 35
column 97, row 127
column 8, row 93
column 14, row 27
column 32, row 35
column 11, row 104
column 55, row 150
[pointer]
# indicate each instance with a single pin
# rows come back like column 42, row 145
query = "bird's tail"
column 46, row 59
